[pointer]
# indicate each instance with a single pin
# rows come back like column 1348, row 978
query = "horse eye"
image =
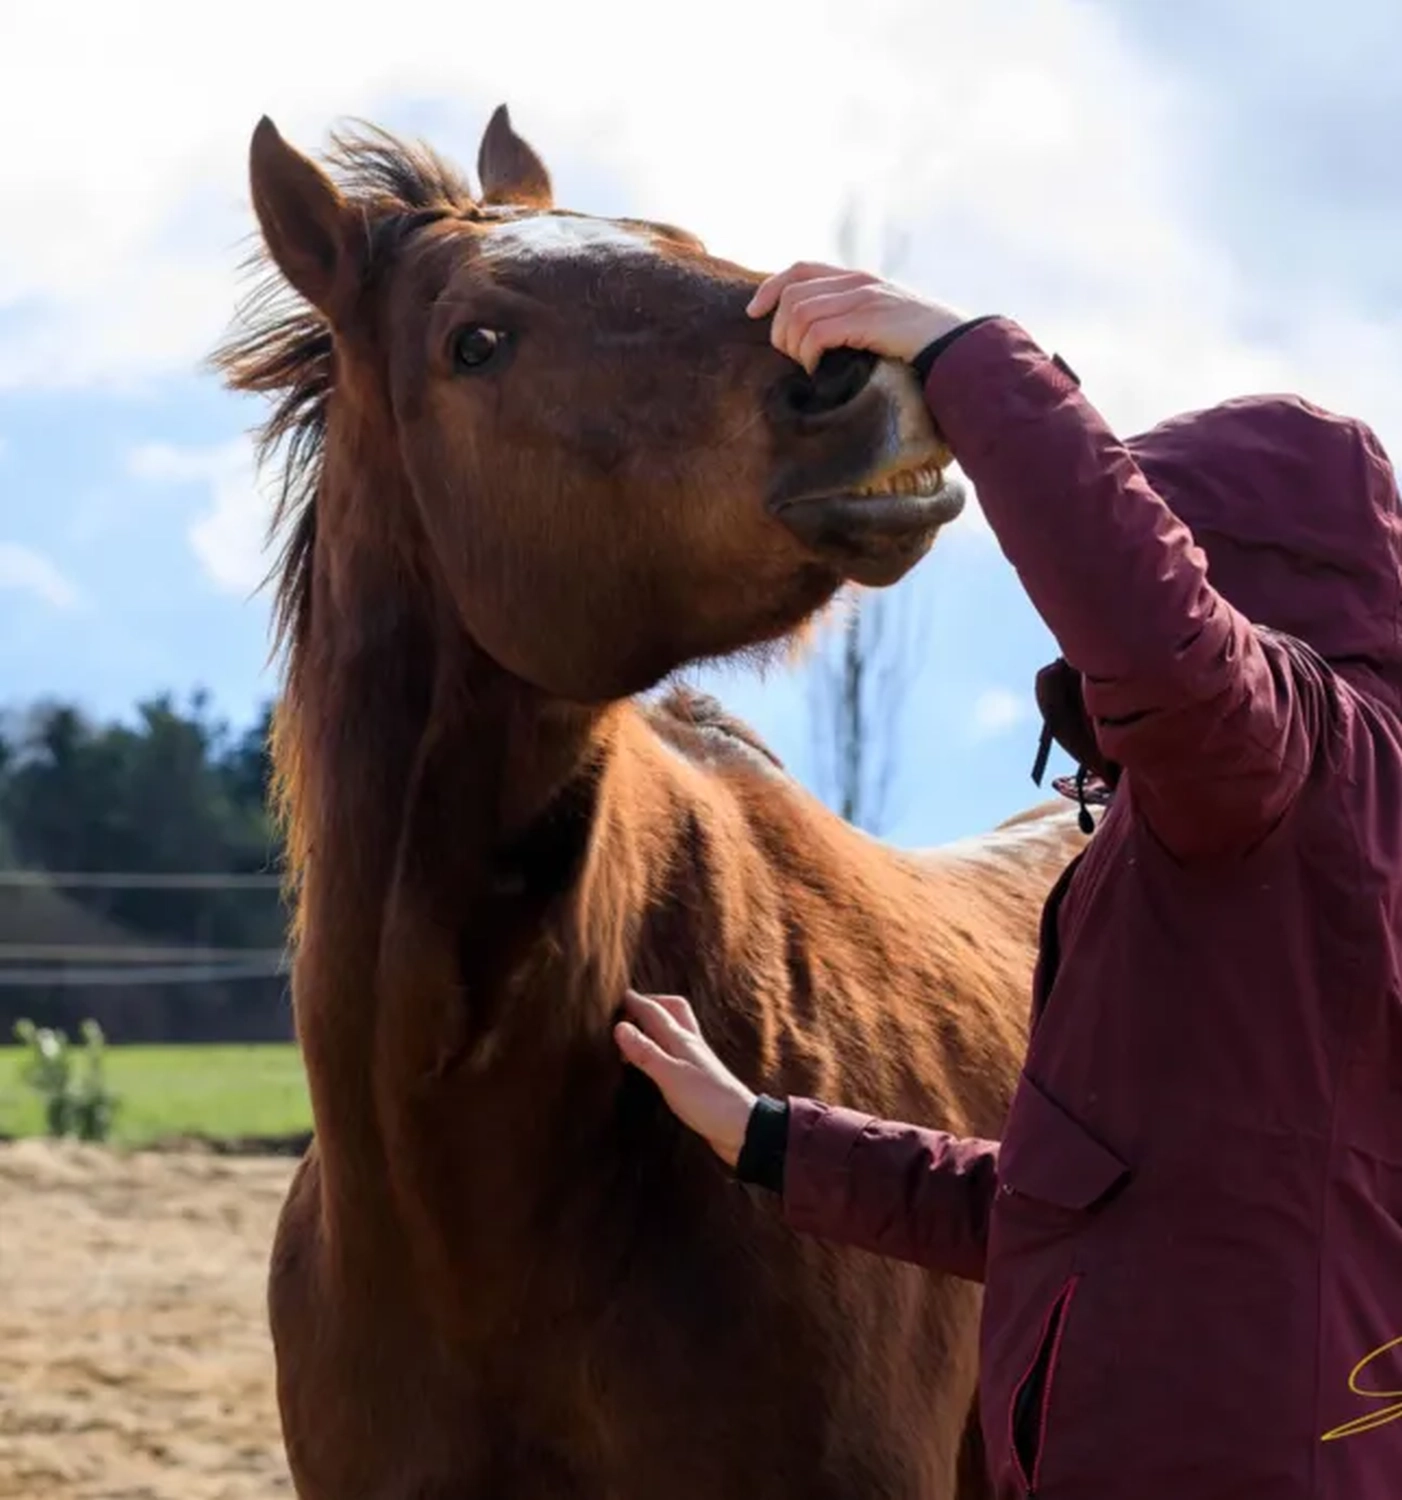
column 474, row 347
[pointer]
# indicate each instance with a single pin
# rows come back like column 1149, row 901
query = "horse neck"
column 407, row 759
column 453, row 994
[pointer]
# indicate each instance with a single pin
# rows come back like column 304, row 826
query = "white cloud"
column 1041, row 160
column 227, row 538
column 26, row 571
column 996, row 710
column 1043, row 166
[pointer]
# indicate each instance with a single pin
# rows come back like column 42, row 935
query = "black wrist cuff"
column 924, row 361
column 761, row 1161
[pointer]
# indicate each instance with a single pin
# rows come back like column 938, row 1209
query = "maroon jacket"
column 1191, row 1234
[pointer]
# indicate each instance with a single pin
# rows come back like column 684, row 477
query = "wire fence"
column 107, row 964
column 133, row 881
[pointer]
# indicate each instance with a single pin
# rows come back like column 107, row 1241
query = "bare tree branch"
column 858, row 682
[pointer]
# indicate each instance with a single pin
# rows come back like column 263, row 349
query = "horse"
column 534, row 464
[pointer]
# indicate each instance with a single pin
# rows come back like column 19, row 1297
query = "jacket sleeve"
column 1213, row 721
column 896, row 1190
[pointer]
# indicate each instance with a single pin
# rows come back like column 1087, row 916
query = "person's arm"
column 1214, row 722
column 894, row 1189
column 911, row 1194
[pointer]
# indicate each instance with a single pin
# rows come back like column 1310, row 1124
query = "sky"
column 1187, row 201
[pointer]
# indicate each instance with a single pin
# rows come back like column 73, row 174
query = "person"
column 1190, row 1232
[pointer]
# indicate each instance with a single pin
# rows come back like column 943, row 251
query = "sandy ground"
column 134, row 1354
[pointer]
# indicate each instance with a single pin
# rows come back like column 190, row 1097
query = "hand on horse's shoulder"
column 661, row 1038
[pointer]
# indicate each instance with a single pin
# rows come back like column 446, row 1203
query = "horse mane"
column 695, row 710
column 282, row 347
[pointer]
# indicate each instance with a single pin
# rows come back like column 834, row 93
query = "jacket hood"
column 1297, row 511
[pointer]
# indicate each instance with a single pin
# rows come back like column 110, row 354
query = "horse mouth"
column 876, row 532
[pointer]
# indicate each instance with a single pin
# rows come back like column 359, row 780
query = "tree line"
column 172, row 792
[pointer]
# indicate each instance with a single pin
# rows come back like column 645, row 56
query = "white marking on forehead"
column 546, row 236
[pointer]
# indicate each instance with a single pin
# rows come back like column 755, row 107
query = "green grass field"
column 215, row 1092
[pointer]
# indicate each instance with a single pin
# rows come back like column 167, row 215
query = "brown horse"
column 536, row 463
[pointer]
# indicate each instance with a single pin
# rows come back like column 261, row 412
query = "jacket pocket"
column 1048, row 1155
column 1027, row 1415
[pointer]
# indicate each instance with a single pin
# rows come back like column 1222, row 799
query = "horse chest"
column 693, row 1387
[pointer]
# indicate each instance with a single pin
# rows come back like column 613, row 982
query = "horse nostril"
column 840, row 377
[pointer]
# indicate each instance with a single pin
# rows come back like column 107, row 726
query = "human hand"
column 818, row 307
column 661, row 1039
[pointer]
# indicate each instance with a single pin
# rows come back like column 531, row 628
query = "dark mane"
column 282, row 348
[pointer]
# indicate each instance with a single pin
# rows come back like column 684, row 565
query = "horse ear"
column 310, row 230
column 510, row 170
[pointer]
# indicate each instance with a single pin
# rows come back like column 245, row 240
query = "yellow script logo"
column 1372, row 1419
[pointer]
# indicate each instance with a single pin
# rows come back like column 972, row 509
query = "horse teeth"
column 923, row 481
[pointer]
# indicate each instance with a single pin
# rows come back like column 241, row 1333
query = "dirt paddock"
column 134, row 1355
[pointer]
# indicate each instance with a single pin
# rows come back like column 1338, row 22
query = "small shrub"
column 71, row 1081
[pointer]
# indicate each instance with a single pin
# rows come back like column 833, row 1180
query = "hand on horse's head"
column 661, row 1039
column 818, row 307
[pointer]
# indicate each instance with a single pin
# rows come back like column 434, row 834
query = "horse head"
column 583, row 450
